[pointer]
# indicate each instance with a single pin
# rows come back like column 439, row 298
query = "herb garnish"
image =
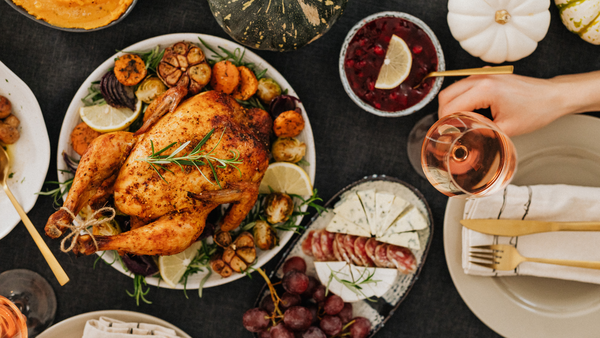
column 94, row 96
column 201, row 261
column 58, row 193
column 355, row 284
column 195, row 158
column 138, row 290
column 290, row 224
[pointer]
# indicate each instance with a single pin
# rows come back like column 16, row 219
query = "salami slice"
column 349, row 247
column 336, row 252
column 370, row 246
column 402, row 258
column 359, row 251
column 381, row 259
column 307, row 244
column 339, row 239
column 316, row 246
column 327, row 244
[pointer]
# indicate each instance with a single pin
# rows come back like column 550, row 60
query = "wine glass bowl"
column 465, row 154
column 363, row 53
column 32, row 295
column 13, row 324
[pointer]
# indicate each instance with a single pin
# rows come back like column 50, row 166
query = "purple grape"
column 312, row 284
column 264, row 334
column 319, row 293
column 331, row 325
column 360, row 328
column 288, row 300
column 294, row 263
column 297, row 318
column 314, row 332
column 256, row 320
column 267, row 304
column 280, row 331
column 295, row 282
column 333, row 305
column 346, row 313
column 314, row 309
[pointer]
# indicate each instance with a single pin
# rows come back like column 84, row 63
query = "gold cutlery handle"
column 60, row 274
column 565, row 262
column 476, row 71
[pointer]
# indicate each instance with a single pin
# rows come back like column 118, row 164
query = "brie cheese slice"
column 373, row 282
column 344, row 226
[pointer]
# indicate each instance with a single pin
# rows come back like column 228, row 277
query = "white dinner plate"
column 29, row 156
column 565, row 152
column 73, row 327
column 72, row 119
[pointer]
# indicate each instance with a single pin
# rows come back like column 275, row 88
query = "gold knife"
column 513, row 227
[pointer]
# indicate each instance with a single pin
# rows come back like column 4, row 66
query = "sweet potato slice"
column 5, row 107
column 248, row 84
column 225, row 77
column 288, row 124
column 130, row 69
column 82, row 136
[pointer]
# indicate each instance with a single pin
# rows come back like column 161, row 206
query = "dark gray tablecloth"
column 350, row 144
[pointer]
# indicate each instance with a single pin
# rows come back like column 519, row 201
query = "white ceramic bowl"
column 434, row 89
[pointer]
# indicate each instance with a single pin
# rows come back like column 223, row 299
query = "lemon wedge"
column 173, row 267
column 396, row 65
column 286, row 177
column 106, row 118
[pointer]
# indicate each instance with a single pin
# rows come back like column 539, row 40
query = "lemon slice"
column 173, row 267
column 106, row 118
column 286, row 177
column 396, row 65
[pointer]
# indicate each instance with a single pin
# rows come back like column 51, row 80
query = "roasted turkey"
column 168, row 211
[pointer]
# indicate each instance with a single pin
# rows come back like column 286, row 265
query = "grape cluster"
column 304, row 310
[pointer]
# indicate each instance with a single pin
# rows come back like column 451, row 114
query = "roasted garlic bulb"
column 184, row 64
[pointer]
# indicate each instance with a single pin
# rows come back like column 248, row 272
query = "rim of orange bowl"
column 436, row 44
column 74, row 30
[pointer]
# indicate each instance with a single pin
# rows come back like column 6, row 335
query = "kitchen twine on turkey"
column 77, row 227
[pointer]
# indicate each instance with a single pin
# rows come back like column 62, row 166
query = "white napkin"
column 542, row 203
column 105, row 327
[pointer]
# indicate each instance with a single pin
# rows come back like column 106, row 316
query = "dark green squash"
column 277, row 25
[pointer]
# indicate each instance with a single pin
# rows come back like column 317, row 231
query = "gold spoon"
column 471, row 71
column 60, row 274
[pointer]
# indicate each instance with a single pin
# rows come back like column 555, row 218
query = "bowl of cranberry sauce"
column 363, row 54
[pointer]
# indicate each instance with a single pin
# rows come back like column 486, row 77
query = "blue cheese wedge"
column 398, row 206
column 344, row 226
column 406, row 239
column 363, row 277
column 367, row 197
column 383, row 204
column 411, row 220
column 352, row 210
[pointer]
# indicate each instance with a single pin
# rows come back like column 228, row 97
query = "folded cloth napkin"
column 105, row 327
column 559, row 203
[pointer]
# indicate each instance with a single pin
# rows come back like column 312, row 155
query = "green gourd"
column 276, row 25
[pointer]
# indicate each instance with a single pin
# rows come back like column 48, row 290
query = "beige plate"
column 565, row 152
column 73, row 327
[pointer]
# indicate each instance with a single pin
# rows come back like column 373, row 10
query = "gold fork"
column 507, row 257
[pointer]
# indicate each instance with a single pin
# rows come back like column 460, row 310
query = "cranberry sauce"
column 365, row 55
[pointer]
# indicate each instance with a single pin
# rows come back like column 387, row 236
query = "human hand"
column 518, row 104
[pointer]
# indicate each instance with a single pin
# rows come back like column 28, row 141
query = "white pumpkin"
column 581, row 17
column 499, row 30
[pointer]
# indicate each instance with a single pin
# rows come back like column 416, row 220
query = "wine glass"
column 13, row 323
column 33, row 297
column 415, row 141
column 466, row 154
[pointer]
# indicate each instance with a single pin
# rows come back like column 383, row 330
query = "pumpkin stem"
column 502, row 16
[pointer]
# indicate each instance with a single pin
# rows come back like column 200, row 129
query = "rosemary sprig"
column 196, row 158
column 355, row 285
column 290, row 224
column 252, row 102
column 236, row 57
column 198, row 264
column 151, row 58
column 94, row 96
column 58, row 193
column 139, row 281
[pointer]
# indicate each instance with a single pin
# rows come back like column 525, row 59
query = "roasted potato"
column 82, row 136
column 225, row 77
column 248, row 84
column 5, row 107
column 9, row 130
column 288, row 124
column 130, row 69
